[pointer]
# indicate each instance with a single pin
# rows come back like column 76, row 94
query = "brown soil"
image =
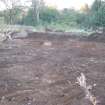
column 100, row 37
column 34, row 73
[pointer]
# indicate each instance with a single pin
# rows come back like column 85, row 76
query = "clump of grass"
column 82, row 82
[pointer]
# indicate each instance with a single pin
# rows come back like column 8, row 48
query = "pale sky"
column 68, row 3
column 60, row 4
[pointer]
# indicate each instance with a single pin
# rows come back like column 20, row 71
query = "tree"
column 82, row 20
column 49, row 15
column 68, row 17
column 97, row 14
column 35, row 10
column 13, row 17
column 9, row 13
column 28, row 19
column 84, row 8
column 96, row 5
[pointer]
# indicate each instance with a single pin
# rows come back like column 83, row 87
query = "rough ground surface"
column 35, row 73
column 99, row 37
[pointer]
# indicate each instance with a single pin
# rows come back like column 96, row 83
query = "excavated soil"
column 43, row 70
column 99, row 37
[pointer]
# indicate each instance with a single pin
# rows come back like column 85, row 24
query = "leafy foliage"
column 92, row 17
column 49, row 15
column 12, row 16
column 28, row 20
column 97, row 14
column 68, row 17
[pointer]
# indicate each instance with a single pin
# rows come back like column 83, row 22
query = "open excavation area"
column 44, row 69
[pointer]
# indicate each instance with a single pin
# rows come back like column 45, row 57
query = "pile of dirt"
column 97, row 37
column 53, row 30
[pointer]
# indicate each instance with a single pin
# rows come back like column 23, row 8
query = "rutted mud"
column 35, row 73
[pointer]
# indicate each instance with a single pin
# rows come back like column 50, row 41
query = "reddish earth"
column 35, row 73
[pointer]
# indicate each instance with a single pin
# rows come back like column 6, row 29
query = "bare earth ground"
column 32, row 73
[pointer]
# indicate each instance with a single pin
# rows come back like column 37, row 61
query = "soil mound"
column 97, row 37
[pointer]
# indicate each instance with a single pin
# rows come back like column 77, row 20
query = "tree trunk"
column 35, row 6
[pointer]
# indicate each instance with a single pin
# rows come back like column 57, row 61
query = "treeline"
column 38, row 14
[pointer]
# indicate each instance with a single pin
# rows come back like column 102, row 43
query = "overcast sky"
column 60, row 4
column 68, row 3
